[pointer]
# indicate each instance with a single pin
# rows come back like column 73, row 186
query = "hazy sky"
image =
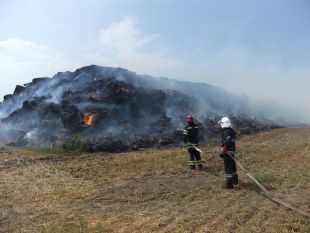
column 257, row 47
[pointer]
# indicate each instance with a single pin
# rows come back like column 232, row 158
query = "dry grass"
column 153, row 191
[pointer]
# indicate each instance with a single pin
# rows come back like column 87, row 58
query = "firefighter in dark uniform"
column 190, row 136
column 228, row 148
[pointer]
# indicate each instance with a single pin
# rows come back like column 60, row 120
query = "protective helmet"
column 189, row 118
column 225, row 122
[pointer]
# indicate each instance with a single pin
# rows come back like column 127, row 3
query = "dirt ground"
column 154, row 191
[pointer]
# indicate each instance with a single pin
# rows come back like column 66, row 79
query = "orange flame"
column 88, row 118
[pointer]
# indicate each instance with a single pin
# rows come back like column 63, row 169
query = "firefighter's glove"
column 223, row 149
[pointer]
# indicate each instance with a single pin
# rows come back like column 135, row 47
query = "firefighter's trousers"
column 194, row 158
column 230, row 170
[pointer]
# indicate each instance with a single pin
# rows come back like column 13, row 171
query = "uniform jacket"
column 229, row 139
column 190, row 133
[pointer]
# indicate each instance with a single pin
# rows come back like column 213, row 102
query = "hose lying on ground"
column 267, row 194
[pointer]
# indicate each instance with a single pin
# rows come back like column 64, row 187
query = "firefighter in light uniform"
column 228, row 148
column 190, row 136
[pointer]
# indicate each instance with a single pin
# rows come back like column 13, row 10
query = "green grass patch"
column 73, row 145
column 53, row 149
column 264, row 177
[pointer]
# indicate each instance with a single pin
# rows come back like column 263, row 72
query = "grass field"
column 153, row 190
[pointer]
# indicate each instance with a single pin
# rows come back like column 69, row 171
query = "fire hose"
column 197, row 149
column 266, row 193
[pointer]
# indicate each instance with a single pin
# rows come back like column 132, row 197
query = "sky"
column 260, row 48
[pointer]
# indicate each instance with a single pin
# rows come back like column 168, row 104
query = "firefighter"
column 190, row 136
column 228, row 148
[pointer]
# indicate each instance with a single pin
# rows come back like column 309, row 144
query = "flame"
column 88, row 118
column 121, row 89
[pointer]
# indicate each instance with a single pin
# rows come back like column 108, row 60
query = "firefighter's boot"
column 229, row 184
column 235, row 179
column 192, row 165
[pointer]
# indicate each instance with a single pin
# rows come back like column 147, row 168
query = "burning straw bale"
column 110, row 109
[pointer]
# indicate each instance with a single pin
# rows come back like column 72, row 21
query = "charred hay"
column 107, row 112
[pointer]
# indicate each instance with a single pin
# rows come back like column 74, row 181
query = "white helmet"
column 225, row 122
